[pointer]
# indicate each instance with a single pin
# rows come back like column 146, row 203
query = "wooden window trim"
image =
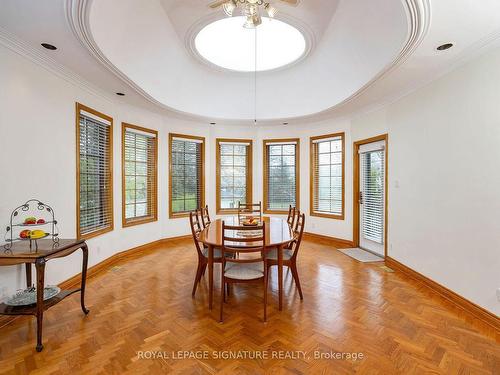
column 265, row 142
column 313, row 189
column 80, row 107
column 146, row 219
column 249, row 173
column 171, row 136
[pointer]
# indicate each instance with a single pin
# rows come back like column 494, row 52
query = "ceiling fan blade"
column 217, row 3
column 290, row 2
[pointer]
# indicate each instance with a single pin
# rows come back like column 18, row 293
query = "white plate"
column 28, row 296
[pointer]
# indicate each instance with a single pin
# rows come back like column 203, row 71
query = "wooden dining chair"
column 247, row 210
column 290, row 254
column 202, row 251
column 243, row 269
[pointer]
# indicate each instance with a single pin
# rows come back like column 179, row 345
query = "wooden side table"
column 20, row 253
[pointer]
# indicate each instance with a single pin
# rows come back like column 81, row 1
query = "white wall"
column 444, row 151
column 37, row 124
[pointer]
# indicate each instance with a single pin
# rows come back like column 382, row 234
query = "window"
column 327, row 176
column 94, row 172
column 281, row 175
column 234, row 173
column 139, row 175
column 187, row 174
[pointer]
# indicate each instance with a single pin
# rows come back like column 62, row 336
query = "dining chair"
column 290, row 254
column 247, row 210
column 243, row 269
column 202, row 251
column 205, row 216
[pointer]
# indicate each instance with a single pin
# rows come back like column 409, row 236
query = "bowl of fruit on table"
column 31, row 220
column 251, row 221
column 32, row 234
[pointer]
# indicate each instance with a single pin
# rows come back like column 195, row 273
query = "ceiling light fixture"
column 251, row 9
column 444, row 47
column 49, row 46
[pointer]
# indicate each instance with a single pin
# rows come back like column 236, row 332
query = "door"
column 372, row 196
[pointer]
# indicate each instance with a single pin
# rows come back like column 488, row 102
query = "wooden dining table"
column 278, row 235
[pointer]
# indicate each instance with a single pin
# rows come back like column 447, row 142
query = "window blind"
column 327, row 175
column 186, row 174
column 233, row 173
column 140, row 175
column 281, row 173
column 373, row 164
column 95, row 193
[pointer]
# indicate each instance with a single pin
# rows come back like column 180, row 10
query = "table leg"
column 210, row 275
column 40, row 285
column 85, row 251
column 28, row 275
column 280, row 276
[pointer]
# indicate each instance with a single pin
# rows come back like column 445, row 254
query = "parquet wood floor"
column 144, row 304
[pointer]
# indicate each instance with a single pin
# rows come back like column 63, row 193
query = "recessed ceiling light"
column 445, row 46
column 49, row 46
column 120, row 94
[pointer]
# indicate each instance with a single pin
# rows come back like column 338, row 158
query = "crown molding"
column 418, row 14
column 77, row 15
column 41, row 59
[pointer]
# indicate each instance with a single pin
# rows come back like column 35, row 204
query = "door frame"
column 355, row 195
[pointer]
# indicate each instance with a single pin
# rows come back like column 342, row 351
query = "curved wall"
column 51, row 117
column 438, row 136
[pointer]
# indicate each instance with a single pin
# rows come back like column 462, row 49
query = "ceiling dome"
column 328, row 52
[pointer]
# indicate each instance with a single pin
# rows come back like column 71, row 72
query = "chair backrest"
column 291, row 215
column 298, row 232
column 194, row 222
column 205, row 216
column 245, row 242
column 246, row 210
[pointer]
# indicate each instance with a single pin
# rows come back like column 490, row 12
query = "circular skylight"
column 228, row 44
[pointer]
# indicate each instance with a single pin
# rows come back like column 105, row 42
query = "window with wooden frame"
column 94, row 172
column 186, row 174
column 281, row 175
column 327, row 176
column 234, row 173
column 139, row 175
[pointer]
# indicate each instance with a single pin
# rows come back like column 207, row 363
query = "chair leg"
column 295, row 274
column 222, row 297
column 203, row 269
column 197, row 277
column 265, row 293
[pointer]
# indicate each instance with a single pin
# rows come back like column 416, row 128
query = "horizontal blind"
column 327, row 175
column 140, row 174
column 186, row 174
column 95, row 175
column 281, row 186
column 233, row 175
column 373, row 165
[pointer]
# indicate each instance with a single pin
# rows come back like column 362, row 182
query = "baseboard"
column 478, row 311
column 109, row 262
column 337, row 242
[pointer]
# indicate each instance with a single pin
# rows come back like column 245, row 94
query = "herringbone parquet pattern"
column 145, row 304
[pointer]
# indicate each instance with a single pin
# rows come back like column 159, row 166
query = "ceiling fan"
column 251, row 9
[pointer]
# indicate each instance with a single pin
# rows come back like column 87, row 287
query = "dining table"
column 278, row 235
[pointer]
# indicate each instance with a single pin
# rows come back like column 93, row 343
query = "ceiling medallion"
column 250, row 9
